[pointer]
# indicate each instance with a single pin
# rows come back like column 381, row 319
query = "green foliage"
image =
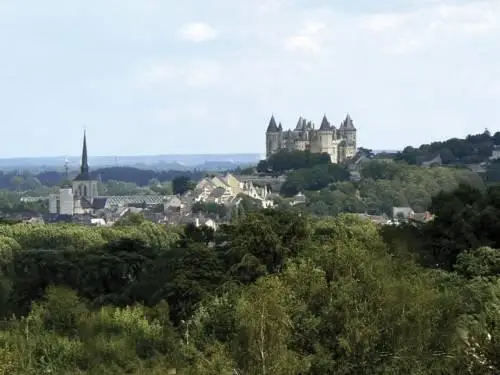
column 313, row 179
column 10, row 203
column 474, row 149
column 210, row 209
column 272, row 292
column 182, row 184
column 285, row 161
column 385, row 185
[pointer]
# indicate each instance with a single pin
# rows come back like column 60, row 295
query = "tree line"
column 473, row 149
column 272, row 292
column 14, row 180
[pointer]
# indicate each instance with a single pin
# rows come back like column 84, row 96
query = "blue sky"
column 197, row 76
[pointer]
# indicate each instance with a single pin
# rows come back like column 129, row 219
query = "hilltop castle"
column 339, row 143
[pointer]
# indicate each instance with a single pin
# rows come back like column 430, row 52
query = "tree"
column 181, row 185
column 285, row 161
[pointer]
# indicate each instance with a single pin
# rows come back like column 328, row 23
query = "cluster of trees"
column 467, row 218
column 270, row 293
column 313, row 179
column 305, row 171
column 10, row 202
column 386, row 184
column 471, row 150
column 285, row 161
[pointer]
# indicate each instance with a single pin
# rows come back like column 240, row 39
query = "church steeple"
column 84, row 168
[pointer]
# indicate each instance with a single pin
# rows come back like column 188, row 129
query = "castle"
column 339, row 143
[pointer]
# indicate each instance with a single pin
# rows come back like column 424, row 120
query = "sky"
column 197, row 76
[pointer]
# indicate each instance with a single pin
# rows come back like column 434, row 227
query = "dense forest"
column 272, row 292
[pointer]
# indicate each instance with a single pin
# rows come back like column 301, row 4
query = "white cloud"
column 197, row 32
column 308, row 40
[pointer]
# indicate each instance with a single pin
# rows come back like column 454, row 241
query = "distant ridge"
column 151, row 161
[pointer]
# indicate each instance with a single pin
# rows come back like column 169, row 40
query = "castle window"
column 84, row 191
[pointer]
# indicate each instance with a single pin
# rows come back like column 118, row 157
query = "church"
column 78, row 198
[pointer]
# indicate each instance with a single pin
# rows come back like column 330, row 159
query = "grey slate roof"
column 325, row 125
column 272, row 128
column 116, row 200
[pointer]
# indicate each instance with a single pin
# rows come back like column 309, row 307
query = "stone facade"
column 339, row 143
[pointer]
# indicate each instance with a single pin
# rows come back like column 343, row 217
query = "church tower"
column 83, row 185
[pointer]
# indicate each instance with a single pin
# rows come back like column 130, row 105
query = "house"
column 225, row 188
column 402, row 213
column 376, row 219
column 299, row 198
column 495, row 153
column 354, row 176
column 422, row 217
column 436, row 160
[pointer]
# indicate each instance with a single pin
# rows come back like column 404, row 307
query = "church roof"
column 272, row 128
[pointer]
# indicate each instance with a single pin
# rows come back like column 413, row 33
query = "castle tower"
column 326, row 139
column 272, row 138
column 349, row 135
column 83, row 185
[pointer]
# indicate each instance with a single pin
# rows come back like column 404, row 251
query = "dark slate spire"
column 280, row 127
column 272, row 128
column 84, row 167
column 301, row 124
column 349, row 123
column 325, row 125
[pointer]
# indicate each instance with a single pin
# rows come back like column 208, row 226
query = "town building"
column 81, row 197
column 339, row 143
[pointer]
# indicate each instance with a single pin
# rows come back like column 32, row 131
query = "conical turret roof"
column 348, row 123
column 325, row 125
column 272, row 128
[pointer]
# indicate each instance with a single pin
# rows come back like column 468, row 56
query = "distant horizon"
column 210, row 155
column 128, row 155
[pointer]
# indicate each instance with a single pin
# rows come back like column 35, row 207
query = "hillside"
column 473, row 149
